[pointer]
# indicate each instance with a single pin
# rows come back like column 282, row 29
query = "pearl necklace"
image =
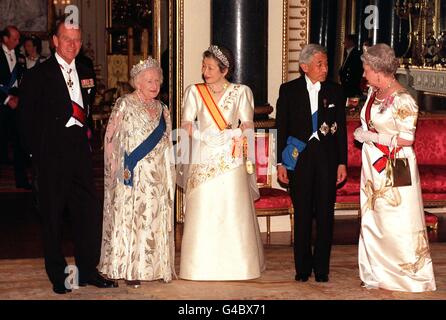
column 150, row 104
column 380, row 91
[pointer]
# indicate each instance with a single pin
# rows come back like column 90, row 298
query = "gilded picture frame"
column 29, row 16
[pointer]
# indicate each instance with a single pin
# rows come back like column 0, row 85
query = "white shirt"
column 12, row 60
column 75, row 90
column 10, row 56
column 313, row 91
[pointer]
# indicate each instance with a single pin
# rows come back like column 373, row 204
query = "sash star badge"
column 324, row 129
column 334, row 128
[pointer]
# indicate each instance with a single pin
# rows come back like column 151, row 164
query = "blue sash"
column 130, row 160
column 13, row 79
column 291, row 152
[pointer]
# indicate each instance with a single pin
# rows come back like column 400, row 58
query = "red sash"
column 381, row 163
column 79, row 113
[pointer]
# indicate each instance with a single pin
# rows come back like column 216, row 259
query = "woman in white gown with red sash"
column 221, row 237
column 393, row 245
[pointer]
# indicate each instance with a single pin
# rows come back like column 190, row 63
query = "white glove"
column 235, row 133
column 369, row 136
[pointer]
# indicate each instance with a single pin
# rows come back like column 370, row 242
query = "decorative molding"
column 179, row 23
column 430, row 81
column 297, row 34
column 436, row 20
column 285, row 41
column 157, row 30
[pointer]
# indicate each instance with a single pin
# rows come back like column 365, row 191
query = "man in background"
column 12, row 66
column 351, row 70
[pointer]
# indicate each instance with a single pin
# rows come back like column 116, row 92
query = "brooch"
column 324, row 129
column 334, row 128
column 127, row 175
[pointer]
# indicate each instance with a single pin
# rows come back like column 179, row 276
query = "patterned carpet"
column 25, row 279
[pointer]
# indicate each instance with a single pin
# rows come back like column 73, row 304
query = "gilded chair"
column 273, row 201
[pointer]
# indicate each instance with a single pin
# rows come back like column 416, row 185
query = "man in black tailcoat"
column 351, row 69
column 12, row 67
column 56, row 97
column 311, row 111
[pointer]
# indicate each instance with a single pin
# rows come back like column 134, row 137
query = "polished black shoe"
column 321, row 277
column 301, row 277
column 99, row 281
column 60, row 289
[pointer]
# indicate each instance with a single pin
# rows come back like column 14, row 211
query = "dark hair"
column 7, row 31
column 228, row 54
column 36, row 42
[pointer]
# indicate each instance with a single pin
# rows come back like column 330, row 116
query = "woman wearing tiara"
column 138, row 231
column 221, row 237
column 393, row 248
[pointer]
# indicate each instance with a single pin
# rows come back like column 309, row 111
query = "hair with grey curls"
column 144, row 65
column 381, row 58
column 309, row 51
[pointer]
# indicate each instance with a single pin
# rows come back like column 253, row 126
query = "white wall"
column 275, row 27
column 197, row 38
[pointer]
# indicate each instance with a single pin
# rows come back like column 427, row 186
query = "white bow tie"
column 314, row 86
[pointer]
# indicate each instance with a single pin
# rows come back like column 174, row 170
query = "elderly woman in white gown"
column 138, row 232
column 393, row 245
column 221, row 237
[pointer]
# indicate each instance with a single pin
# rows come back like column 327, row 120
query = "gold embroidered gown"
column 138, row 232
column 393, row 245
column 221, row 237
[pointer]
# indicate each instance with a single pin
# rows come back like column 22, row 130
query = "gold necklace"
column 225, row 85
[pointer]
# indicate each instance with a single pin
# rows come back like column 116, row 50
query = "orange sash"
column 211, row 106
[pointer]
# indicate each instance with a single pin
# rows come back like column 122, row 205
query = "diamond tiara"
column 215, row 50
column 142, row 65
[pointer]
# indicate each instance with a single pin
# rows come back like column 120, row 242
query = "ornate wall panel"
column 296, row 35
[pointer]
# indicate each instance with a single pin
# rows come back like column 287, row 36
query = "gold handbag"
column 398, row 173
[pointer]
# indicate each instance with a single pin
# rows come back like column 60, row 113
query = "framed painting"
column 29, row 16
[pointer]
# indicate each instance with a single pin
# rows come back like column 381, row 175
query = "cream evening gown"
column 221, row 237
column 393, row 245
